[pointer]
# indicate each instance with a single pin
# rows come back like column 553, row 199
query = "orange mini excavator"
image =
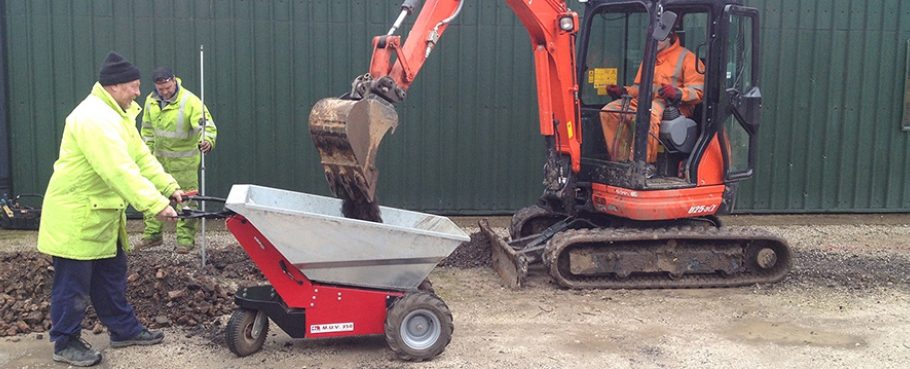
column 604, row 220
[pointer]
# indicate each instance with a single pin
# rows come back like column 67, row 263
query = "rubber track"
column 616, row 237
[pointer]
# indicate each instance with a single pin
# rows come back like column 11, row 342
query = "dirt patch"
column 847, row 271
column 361, row 209
column 169, row 290
column 470, row 254
column 844, row 305
column 165, row 290
column 24, row 291
column 788, row 333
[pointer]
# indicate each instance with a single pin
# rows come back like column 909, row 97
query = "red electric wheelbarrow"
column 332, row 276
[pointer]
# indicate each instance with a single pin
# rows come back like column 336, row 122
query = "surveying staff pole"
column 202, row 139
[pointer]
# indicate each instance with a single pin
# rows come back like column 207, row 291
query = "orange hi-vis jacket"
column 675, row 66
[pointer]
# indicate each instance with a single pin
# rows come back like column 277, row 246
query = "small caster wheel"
column 246, row 331
column 418, row 326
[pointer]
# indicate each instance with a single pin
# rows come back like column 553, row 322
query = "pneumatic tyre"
column 246, row 331
column 418, row 326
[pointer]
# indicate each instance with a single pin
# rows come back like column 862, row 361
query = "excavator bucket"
column 347, row 134
column 511, row 266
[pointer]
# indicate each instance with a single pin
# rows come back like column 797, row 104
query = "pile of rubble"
column 165, row 290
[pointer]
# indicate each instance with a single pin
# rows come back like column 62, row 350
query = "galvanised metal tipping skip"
column 332, row 276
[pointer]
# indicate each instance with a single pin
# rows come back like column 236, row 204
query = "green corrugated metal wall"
column 468, row 141
column 833, row 82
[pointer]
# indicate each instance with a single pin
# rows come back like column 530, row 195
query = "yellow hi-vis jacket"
column 102, row 167
column 173, row 133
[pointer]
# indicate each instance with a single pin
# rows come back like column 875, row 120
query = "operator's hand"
column 178, row 196
column 670, row 93
column 616, row 91
column 167, row 215
column 205, row 146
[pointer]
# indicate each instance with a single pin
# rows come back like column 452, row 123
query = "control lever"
column 188, row 212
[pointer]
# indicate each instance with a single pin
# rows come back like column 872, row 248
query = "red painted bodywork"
column 657, row 205
column 324, row 304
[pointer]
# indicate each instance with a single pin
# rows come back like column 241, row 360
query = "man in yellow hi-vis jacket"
column 102, row 167
column 176, row 127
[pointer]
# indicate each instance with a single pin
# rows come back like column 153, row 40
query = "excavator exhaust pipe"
column 347, row 134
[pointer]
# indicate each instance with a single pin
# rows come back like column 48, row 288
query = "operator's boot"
column 145, row 243
column 144, row 338
column 184, row 249
column 186, row 236
column 151, row 236
column 78, row 353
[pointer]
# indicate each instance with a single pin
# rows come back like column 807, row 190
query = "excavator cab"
column 709, row 142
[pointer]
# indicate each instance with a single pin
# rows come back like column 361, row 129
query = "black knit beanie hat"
column 116, row 70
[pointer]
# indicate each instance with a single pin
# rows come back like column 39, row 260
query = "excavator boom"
column 348, row 130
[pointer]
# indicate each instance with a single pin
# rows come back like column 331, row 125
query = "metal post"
column 201, row 139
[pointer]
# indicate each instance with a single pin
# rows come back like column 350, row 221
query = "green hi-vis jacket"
column 103, row 166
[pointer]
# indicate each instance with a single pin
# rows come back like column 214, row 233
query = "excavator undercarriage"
column 582, row 257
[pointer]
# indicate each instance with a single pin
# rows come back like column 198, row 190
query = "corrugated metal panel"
column 5, row 170
column 468, row 141
column 832, row 139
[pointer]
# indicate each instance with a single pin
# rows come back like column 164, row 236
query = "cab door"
column 740, row 105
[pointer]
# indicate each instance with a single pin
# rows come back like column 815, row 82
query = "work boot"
column 184, row 249
column 79, row 353
column 149, row 242
column 144, row 338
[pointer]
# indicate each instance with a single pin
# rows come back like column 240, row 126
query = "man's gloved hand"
column 670, row 93
column 205, row 146
column 616, row 91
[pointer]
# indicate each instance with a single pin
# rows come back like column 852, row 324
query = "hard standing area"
column 846, row 304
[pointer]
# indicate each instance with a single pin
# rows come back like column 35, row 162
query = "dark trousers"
column 102, row 281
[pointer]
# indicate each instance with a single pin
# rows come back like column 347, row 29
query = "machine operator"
column 676, row 81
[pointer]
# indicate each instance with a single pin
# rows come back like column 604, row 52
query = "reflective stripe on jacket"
column 102, row 167
column 174, row 131
column 675, row 66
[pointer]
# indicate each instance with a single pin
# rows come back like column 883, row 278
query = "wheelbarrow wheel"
column 418, row 326
column 246, row 331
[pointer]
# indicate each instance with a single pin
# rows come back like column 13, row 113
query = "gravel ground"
column 845, row 304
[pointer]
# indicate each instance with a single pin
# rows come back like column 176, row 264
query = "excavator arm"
column 347, row 131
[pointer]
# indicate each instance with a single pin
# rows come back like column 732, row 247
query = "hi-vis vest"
column 174, row 131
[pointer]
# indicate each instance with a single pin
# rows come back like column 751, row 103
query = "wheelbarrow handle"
column 205, row 198
column 187, row 213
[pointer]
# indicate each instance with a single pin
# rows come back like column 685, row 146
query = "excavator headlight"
column 566, row 23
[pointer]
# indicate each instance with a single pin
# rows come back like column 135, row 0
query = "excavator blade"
column 511, row 266
column 347, row 134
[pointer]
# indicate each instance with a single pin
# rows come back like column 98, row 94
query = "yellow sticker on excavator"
column 603, row 77
column 570, row 130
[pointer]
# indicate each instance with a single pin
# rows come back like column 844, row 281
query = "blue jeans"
column 102, row 281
